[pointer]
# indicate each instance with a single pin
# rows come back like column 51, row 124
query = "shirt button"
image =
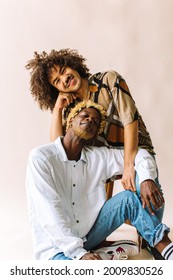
column 74, row 257
column 74, row 185
column 73, row 203
column 77, row 221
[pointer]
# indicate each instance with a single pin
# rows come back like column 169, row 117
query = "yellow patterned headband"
column 88, row 104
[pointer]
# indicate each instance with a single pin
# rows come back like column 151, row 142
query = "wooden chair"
column 109, row 187
column 109, row 191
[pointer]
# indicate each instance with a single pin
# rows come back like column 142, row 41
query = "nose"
column 63, row 79
column 90, row 119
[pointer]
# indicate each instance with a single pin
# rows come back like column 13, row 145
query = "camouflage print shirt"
column 110, row 90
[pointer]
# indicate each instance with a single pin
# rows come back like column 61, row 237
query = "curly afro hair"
column 41, row 66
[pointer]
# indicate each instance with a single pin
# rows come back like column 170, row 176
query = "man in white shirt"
column 66, row 194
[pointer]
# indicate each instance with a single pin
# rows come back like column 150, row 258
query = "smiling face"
column 65, row 79
column 87, row 123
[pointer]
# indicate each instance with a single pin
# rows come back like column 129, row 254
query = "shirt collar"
column 62, row 153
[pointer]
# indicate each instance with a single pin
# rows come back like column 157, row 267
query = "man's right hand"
column 64, row 99
column 91, row 256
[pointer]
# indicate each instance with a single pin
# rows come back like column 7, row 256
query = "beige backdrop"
column 133, row 37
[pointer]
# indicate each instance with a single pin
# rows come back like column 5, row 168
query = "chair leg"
column 109, row 189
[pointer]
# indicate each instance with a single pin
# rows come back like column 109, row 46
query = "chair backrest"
column 109, row 186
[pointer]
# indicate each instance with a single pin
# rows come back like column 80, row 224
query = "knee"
column 127, row 195
column 130, row 197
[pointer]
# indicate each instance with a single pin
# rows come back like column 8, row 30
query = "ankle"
column 163, row 243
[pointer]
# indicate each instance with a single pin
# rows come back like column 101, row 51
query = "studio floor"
column 17, row 244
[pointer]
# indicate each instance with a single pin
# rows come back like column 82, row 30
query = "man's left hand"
column 150, row 194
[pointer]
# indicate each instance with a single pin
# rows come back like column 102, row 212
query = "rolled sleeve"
column 145, row 166
column 124, row 102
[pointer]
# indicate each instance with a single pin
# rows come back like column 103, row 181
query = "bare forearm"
column 56, row 129
column 130, row 150
column 62, row 101
column 130, row 143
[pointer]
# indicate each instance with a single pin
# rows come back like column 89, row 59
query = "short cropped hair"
column 88, row 104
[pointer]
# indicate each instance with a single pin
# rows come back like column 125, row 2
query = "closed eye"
column 56, row 81
column 61, row 71
column 96, row 121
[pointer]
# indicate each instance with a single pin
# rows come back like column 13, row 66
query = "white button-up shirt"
column 65, row 196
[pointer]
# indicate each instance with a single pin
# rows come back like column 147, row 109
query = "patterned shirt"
column 110, row 90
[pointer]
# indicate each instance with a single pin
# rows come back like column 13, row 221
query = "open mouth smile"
column 88, row 126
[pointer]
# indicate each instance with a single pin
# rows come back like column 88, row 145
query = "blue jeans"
column 123, row 206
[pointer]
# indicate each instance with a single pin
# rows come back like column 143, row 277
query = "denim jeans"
column 125, row 205
column 159, row 212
